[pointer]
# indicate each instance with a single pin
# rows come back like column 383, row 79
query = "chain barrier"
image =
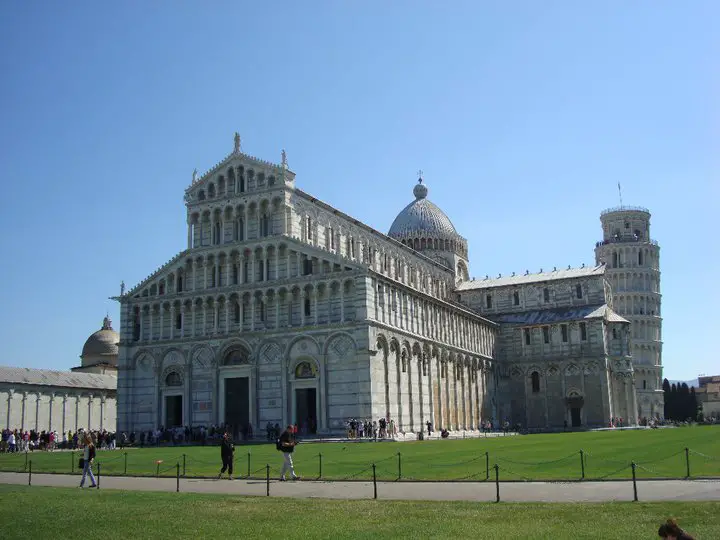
column 667, row 457
column 612, row 473
column 588, row 454
column 441, row 465
column 352, row 476
column 637, row 465
column 713, row 458
column 527, row 463
column 525, row 478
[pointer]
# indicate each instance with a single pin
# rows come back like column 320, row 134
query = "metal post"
column 177, row 487
column 26, row 460
column 248, row 475
column 183, row 465
column 497, row 483
column 267, row 479
column 582, row 465
column 98, row 477
column 320, row 466
column 687, row 462
column 399, row 466
column 487, row 465
column 72, row 462
column 374, row 483
column 157, row 471
column 635, row 497
column 125, row 471
column 30, row 473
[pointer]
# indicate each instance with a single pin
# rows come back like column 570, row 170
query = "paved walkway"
column 656, row 490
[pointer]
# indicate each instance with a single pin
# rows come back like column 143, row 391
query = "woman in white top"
column 89, row 457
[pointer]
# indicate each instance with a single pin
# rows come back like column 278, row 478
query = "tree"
column 666, row 391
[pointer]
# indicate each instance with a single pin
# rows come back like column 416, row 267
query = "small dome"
column 102, row 346
column 421, row 217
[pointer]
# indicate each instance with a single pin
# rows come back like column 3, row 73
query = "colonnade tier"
column 623, row 256
column 425, row 382
column 634, row 281
column 314, row 303
column 258, row 262
column 236, row 180
column 420, row 241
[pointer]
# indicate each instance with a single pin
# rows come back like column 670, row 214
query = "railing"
column 626, row 240
column 624, row 209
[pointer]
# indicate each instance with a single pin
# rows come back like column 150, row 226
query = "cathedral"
column 283, row 309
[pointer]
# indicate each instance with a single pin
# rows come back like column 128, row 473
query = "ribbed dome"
column 102, row 346
column 421, row 217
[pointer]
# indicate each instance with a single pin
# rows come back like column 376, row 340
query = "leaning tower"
column 632, row 262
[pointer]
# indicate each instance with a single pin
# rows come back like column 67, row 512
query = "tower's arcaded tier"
column 632, row 262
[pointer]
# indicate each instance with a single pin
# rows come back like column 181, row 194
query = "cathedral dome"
column 101, row 346
column 421, row 217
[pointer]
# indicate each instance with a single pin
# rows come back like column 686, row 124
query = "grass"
column 658, row 453
column 67, row 512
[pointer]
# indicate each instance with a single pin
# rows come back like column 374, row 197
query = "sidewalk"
column 659, row 490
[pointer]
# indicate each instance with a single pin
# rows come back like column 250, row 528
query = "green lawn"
column 658, row 453
column 67, row 512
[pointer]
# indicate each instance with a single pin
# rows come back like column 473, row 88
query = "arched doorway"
column 305, row 399
column 236, row 395
column 575, row 404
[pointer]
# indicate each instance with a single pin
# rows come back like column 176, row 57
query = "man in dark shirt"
column 286, row 444
column 227, row 449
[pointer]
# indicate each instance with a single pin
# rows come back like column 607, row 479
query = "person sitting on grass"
column 670, row 529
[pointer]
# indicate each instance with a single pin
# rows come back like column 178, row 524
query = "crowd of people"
column 18, row 440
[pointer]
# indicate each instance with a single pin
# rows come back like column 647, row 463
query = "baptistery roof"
column 421, row 217
column 103, row 343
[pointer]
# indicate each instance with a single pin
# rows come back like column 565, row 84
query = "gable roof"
column 64, row 379
column 549, row 316
column 531, row 278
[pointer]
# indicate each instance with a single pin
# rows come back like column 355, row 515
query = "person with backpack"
column 286, row 444
column 227, row 449
column 88, row 458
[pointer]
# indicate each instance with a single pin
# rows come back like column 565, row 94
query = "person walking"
column 227, row 449
column 286, row 444
column 88, row 458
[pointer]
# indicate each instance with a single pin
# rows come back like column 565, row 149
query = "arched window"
column 640, row 258
column 179, row 284
column 535, row 377
column 307, row 307
column 216, row 233
column 173, row 379
column 615, row 260
column 237, row 313
column 516, row 298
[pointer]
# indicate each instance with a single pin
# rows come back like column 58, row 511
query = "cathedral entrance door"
column 575, row 415
column 173, row 411
column 306, row 409
column 237, row 405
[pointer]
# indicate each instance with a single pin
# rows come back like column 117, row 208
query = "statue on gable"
column 122, row 288
column 194, row 176
column 284, row 158
column 237, row 142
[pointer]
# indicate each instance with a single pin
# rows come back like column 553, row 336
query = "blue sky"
column 523, row 116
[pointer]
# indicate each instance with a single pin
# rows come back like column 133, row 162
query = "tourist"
column 286, row 444
column 227, row 449
column 88, row 458
column 670, row 529
column 429, row 427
